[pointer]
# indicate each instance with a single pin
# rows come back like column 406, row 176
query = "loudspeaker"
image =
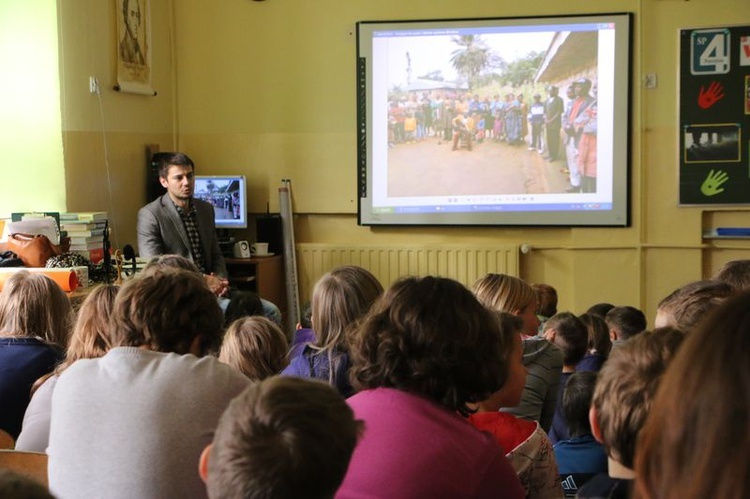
column 154, row 188
column 268, row 228
column 241, row 249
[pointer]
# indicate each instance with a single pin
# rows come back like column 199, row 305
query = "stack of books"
column 86, row 231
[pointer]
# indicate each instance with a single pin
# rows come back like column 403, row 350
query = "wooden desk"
column 263, row 275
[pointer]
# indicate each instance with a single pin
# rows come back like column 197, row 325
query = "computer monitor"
column 228, row 195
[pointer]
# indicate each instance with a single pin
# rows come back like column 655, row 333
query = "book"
column 82, row 225
column 92, row 215
column 94, row 255
column 76, row 240
column 86, row 246
column 73, row 234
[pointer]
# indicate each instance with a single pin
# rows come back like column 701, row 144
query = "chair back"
column 31, row 464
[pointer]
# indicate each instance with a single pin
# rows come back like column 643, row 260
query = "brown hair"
column 283, row 437
column 546, row 297
column 173, row 159
column 33, row 305
column 687, row 305
column 504, row 293
column 255, row 346
column 340, row 298
column 599, row 340
column 430, row 336
column 695, row 442
column 626, row 388
column 736, row 273
column 571, row 336
column 626, row 320
column 166, row 309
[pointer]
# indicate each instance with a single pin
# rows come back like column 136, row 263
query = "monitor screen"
column 228, row 195
column 512, row 121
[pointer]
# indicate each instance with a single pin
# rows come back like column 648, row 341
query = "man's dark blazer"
column 161, row 232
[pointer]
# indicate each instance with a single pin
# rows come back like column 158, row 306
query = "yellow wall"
column 267, row 89
column 30, row 142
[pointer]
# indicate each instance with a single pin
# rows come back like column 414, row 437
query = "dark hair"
column 166, row 309
column 283, row 437
column 431, row 337
column 305, row 319
column 173, row 159
column 627, row 386
column 243, row 303
column 627, row 321
column 546, row 297
column 571, row 336
column 736, row 273
column 20, row 486
column 600, row 309
column 579, row 390
column 687, row 305
column 599, row 340
column 695, row 442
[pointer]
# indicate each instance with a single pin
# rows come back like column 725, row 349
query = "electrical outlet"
column 94, row 85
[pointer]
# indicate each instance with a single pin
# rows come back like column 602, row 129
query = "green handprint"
column 712, row 185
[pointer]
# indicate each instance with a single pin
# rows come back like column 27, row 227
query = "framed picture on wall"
column 134, row 46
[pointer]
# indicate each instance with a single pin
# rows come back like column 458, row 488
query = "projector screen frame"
column 506, row 208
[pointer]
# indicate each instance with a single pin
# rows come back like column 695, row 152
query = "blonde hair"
column 90, row 338
column 339, row 300
column 504, row 293
column 33, row 305
column 255, row 346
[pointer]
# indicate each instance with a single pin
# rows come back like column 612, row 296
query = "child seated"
column 624, row 323
column 255, row 346
column 525, row 443
column 622, row 399
column 599, row 344
column 282, row 437
column 685, row 306
column 569, row 334
column 580, row 457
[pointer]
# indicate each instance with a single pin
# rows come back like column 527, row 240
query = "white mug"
column 259, row 249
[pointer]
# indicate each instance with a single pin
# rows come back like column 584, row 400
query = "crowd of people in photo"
column 466, row 119
column 422, row 388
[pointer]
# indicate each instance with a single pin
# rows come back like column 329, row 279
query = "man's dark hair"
column 579, row 390
column 627, row 321
column 173, row 159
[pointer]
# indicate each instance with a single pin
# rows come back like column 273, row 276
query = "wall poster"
column 715, row 115
column 134, row 46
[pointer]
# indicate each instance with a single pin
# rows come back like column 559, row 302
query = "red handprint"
column 707, row 98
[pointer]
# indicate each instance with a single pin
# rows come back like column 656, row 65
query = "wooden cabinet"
column 264, row 275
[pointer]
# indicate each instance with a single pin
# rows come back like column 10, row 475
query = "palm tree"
column 472, row 58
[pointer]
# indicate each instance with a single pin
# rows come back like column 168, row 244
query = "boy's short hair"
column 579, row 390
column 243, row 303
column 736, row 273
column 600, row 309
column 686, row 306
column 571, row 336
column 18, row 486
column 546, row 297
column 166, row 309
column 283, row 437
column 627, row 321
column 626, row 387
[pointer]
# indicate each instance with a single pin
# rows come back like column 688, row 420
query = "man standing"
column 553, row 110
column 574, row 129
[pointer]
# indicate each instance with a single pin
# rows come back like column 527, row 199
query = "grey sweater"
column 133, row 424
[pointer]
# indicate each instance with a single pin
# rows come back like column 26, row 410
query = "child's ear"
column 613, row 334
column 594, row 421
column 549, row 335
column 203, row 463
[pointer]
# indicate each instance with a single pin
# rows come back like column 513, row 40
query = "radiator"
column 463, row 263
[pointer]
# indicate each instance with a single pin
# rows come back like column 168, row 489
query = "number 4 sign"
column 709, row 52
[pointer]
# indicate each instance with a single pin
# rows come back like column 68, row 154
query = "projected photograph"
column 469, row 121
column 486, row 114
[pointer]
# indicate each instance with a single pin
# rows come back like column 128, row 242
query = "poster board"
column 714, row 117
column 134, row 46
